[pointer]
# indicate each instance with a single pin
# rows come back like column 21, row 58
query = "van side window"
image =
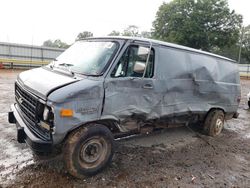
column 133, row 63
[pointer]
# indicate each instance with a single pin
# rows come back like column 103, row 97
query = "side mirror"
column 142, row 51
column 139, row 67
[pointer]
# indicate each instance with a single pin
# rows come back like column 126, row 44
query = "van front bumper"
column 25, row 135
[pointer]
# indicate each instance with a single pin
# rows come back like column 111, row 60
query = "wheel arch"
column 214, row 108
column 110, row 122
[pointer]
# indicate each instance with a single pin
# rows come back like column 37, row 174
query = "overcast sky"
column 34, row 21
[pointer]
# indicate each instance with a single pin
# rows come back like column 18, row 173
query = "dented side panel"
column 84, row 97
column 126, row 97
column 196, row 83
column 184, row 83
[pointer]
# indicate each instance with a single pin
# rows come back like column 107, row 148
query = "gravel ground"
column 176, row 157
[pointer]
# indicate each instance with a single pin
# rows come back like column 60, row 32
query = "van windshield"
column 87, row 57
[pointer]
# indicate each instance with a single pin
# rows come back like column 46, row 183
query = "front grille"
column 30, row 107
column 26, row 103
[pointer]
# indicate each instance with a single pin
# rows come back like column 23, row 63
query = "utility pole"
column 241, row 41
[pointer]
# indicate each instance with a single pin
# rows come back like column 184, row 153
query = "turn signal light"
column 66, row 112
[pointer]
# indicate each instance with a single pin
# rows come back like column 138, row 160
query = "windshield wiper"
column 67, row 65
column 86, row 74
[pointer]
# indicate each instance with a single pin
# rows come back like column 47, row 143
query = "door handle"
column 148, row 86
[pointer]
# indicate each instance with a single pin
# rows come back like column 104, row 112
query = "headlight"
column 46, row 113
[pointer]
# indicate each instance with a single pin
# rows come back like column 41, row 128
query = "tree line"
column 131, row 30
column 207, row 25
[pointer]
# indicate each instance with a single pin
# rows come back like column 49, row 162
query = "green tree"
column 114, row 33
column 246, row 44
column 146, row 34
column 201, row 24
column 55, row 44
column 131, row 31
column 84, row 35
column 231, row 52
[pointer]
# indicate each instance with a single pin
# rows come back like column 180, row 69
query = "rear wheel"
column 88, row 150
column 214, row 122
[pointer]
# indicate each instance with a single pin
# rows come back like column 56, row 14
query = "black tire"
column 249, row 104
column 88, row 150
column 214, row 123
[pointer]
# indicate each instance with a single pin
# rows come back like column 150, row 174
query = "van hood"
column 41, row 81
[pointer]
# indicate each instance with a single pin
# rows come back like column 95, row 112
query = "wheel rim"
column 93, row 152
column 218, row 126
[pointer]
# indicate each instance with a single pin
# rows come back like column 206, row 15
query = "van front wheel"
column 214, row 123
column 88, row 150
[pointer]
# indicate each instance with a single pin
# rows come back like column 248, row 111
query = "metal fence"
column 26, row 56
column 244, row 70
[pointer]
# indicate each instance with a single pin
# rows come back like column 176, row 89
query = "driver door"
column 129, row 91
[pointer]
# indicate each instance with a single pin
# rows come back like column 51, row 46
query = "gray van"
column 105, row 88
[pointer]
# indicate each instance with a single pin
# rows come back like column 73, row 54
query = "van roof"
column 168, row 44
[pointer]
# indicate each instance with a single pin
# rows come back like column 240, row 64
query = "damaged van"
column 101, row 89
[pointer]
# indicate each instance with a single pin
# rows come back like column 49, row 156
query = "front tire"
column 214, row 123
column 88, row 150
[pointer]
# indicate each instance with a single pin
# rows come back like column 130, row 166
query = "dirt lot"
column 176, row 157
